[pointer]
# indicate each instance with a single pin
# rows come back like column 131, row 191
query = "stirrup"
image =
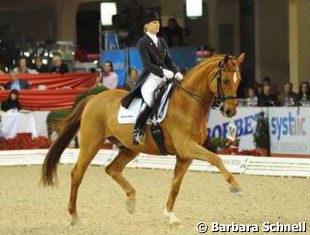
column 138, row 137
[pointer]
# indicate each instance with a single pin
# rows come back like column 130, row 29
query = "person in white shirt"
column 252, row 99
column 109, row 78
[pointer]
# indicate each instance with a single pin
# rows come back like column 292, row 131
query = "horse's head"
column 225, row 84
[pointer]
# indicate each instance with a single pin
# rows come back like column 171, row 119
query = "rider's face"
column 153, row 26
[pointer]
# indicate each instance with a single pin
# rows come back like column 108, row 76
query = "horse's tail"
column 69, row 127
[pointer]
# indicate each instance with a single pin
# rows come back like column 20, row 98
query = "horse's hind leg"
column 90, row 145
column 115, row 168
column 180, row 169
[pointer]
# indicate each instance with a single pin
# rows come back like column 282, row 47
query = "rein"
column 190, row 93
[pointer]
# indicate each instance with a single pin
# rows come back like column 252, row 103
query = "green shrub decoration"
column 261, row 134
column 54, row 116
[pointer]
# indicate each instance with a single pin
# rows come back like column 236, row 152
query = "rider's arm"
column 146, row 61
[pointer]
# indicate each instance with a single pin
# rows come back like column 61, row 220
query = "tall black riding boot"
column 138, row 133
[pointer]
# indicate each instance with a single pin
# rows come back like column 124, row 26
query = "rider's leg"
column 138, row 134
column 147, row 90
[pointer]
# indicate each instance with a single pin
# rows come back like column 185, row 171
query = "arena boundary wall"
column 248, row 165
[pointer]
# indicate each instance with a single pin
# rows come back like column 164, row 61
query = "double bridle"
column 220, row 96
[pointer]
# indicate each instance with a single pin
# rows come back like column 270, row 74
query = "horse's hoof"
column 171, row 218
column 174, row 222
column 236, row 191
column 130, row 205
column 75, row 220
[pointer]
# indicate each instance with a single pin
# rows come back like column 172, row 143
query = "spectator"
column 133, row 78
column 16, row 84
column 174, row 33
column 59, row 66
column 267, row 98
column 109, row 78
column 289, row 98
column 252, row 99
column 12, row 102
column 304, row 94
column 39, row 66
column 21, row 66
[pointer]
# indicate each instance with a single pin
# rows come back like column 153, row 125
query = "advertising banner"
column 245, row 122
column 290, row 130
column 134, row 59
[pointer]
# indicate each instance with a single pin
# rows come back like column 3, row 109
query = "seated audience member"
column 267, row 98
column 12, row 102
column 304, row 94
column 289, row 98
column 252, row 99
column 109, row 78
column 21, row 66
column 16, row 83
column 59, row 66
column 133, row 78
column 39, row 66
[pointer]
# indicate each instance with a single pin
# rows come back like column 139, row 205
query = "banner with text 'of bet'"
column 290, row 130
column 245, row 122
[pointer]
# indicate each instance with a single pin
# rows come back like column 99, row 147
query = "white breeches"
column 149, row 86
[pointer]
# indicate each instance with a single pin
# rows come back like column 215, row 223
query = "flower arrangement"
column 229, row 147
column 24, row 141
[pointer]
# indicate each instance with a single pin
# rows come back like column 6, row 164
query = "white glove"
column 168, row 74
column 179, row 76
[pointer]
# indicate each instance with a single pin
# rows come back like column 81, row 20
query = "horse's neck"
column 198, row 83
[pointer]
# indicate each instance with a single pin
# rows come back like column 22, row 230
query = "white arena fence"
column 249, row 165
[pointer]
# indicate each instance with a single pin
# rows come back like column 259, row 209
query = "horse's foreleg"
column 192, row 150
column 115, row 168
column 180, row 169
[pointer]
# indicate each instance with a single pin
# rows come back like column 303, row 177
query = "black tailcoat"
column 154, row 60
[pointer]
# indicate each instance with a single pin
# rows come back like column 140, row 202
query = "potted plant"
column 262, row 136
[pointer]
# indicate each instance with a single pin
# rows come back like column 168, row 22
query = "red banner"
column 47, row 99
column 53, row 81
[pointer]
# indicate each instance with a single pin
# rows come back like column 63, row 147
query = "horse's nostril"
column 228, row 112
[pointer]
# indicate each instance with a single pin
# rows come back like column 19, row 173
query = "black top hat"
column 150, row 16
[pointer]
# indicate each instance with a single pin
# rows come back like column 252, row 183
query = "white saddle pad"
column 129, row 116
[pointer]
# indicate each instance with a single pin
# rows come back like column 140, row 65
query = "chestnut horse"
column 184, row 131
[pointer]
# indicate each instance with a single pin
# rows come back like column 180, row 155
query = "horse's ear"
column 241, row 58
column 226, row 58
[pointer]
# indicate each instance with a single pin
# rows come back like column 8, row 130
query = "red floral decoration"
column 24, row 141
